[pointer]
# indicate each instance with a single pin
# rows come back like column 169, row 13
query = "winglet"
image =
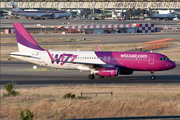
column 97, row 48
column 51, row 57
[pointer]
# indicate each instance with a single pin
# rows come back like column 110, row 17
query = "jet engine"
column 126, row 72
column 56, row 16
column 108, row 72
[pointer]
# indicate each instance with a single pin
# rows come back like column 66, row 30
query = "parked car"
column 96, row 18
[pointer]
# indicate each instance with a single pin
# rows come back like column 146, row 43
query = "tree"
column 29, row 115
column 9, row 87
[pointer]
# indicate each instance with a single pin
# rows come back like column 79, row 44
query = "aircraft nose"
column 171, row 65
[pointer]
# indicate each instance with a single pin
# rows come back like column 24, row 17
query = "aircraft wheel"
column 101, row 76
column 152, row 77
column 91, row 76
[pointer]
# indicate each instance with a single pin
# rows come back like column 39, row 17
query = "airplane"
column 101, row 63
column 40, row 13
column 161, row 16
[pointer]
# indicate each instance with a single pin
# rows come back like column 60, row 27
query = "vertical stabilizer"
column 14, row 6
column 24, row 40
column 150, row 12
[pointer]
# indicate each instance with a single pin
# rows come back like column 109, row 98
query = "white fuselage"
column 42, row 58
column 56, row 14
column 162, row 15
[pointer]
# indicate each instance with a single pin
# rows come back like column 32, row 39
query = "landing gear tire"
column 101, row 76
column 152, row 77
column 91, row 76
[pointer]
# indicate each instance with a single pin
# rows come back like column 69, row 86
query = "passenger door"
column 151, row 59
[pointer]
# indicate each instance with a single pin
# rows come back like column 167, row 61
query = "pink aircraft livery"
column 101, row 63
column 39, row 14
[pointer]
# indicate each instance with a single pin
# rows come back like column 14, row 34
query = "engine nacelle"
column 56, row 16
column 108, row 72
column 126, row 72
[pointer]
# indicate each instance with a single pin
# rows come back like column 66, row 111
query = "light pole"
column 93, row 7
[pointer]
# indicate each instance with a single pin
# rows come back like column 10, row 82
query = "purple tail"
column 24, row 40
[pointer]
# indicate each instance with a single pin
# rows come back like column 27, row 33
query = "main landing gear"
column 101, row 76
column 91, row 76
column 152, row 76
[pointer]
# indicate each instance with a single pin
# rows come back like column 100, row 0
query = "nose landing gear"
column 152, row 75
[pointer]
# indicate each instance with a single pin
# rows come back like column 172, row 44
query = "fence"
column 99, row 93
column 158, row 44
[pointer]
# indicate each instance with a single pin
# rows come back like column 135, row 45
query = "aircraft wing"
column 45, row 15
column 6, row 10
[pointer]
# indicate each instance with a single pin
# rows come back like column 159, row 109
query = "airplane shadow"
column 72, row 80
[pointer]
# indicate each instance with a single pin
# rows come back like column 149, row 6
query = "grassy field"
column 45, row 40
column 127, row 100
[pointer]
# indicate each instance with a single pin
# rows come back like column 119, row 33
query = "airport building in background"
column 99, row 8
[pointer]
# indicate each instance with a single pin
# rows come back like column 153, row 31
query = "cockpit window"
column 164, row 58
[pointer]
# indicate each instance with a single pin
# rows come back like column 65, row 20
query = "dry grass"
column 5, row 50
column 8, row 40
column 91, row 47
column 174, row 50
column 47, row 102
column 46, row 40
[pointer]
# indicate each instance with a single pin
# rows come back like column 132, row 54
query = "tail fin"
column 24, row 40
column 14, row 6
column 150, row 12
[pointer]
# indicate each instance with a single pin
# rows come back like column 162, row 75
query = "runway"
column 8, row 22
column 22, row 75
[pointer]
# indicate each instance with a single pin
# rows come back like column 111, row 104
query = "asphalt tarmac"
column 22, row 75
column 55, row 22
